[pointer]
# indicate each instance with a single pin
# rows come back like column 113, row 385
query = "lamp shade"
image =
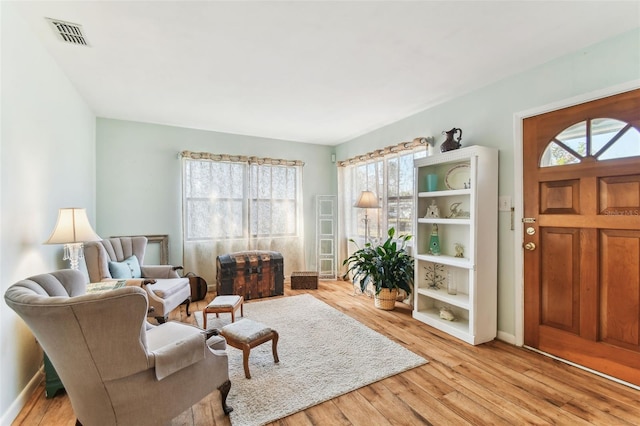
column 72, row 227
column 367, row 200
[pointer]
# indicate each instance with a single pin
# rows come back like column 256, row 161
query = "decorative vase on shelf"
column 434, row 241
column 451, row 143
column 451, row 283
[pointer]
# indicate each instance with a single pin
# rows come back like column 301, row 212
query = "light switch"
column 504, row 203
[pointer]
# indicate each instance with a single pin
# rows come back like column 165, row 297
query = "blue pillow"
column 128, row 268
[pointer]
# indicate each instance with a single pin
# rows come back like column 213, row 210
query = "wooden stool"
column 247, row 334
column 222, row 304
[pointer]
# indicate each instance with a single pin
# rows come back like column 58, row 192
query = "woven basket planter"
column 386, row 299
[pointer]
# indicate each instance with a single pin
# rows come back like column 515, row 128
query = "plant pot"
column 386, row 299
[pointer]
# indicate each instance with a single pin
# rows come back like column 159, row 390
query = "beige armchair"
column 115, row 366
column 167, row 290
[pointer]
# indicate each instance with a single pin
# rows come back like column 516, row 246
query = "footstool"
column 247, row 334
column 222, row 304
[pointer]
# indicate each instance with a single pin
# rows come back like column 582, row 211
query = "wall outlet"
column 504, row 203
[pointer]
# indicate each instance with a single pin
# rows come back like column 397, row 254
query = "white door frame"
column 518, row 118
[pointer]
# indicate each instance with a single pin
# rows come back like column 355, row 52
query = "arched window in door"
column 594, row 139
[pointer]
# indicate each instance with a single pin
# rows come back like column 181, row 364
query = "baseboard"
column 506, row 337
column 19, row 403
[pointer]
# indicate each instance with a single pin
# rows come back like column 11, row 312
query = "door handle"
column 530, row 246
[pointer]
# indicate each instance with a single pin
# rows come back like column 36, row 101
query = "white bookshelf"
column 475, row 273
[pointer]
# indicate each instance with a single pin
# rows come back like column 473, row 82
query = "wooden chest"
column 251, row 274
column 304, row 280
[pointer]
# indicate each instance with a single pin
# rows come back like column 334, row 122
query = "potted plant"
column 387, row 266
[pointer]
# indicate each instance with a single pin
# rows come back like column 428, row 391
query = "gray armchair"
column 115, row 366
column 166, row 291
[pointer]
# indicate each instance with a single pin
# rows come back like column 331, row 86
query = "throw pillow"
column 128, row 268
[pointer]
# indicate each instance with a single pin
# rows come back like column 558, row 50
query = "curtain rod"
column 238, row 158
column 379, row 153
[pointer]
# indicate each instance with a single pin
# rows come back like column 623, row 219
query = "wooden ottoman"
column 304, row 280
column 222, row 304
column 247, row 334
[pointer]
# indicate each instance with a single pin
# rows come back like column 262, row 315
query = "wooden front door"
column 582, row 234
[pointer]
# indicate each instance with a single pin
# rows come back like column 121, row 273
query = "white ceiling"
column 319, row 72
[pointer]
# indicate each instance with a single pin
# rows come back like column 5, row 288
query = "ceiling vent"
column 68, row 32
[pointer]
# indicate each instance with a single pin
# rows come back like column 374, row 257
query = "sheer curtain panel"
column 237, row 203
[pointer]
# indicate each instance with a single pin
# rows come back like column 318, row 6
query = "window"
column 391, row 179
column 214, row 200
column 233, row 204
column 273, row 200
column 239, row 200
column 400, row 184
column 593, row 139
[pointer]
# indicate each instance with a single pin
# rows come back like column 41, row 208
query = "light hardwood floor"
column 495, row 383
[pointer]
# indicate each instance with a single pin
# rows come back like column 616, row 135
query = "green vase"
column 434, row 241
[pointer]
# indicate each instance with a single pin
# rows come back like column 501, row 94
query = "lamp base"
column 73, row 252
column 366, row 228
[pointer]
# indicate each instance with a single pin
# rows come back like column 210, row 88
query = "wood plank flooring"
column 495, row 383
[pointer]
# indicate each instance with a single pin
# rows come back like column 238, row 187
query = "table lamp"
column 72, row 229
column 367, row 200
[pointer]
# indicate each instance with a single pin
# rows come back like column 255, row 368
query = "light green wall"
column 487, row 118
column 47, row 162
column 139, row 176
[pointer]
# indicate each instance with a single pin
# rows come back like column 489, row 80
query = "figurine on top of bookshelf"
column 432, row 211
column 455, row 211
column 451, row 142
column 459, row 248
column 434, row 241
column 435, row 276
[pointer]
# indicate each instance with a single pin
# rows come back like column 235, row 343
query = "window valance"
column 238, row 158
column 379, row 153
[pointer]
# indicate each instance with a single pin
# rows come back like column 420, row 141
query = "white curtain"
column 238, row 203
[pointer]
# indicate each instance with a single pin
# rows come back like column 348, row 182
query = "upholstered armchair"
column 122, row 258
column 115, row 366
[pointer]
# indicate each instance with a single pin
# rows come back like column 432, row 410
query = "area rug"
column 323, row 354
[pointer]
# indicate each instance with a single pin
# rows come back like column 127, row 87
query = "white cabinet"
column 466, row 196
